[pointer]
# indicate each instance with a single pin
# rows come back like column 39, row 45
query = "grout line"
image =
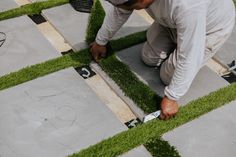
column 22, row 2
column 110, row 98
column 134, row 108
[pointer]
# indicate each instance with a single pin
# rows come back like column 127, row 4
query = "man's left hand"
column 169, row 108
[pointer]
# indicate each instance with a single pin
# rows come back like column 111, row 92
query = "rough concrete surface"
column 24, row 45
column 212, row 135
column 205, row 82
column 53, row 116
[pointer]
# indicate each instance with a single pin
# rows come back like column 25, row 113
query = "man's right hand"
column 98, row 51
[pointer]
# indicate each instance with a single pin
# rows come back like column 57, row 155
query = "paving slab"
column 53, row 116
column 73, row 24
column 135, row 23
column 24, row 45
column 205, row 82
column 227, row 53
column 7, row 5
column 140, row 151
column 212, row 135
column 70, row 23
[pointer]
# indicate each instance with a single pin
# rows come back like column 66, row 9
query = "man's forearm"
column 113, row 21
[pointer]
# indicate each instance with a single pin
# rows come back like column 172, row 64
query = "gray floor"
column 7, row 5
column 212, row 135
column 53, row 116
column 205, row 82
column 227, row 53
column 72, row 25
column 24, row 45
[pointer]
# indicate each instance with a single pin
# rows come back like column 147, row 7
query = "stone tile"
column 210, row 135
column 73, row 24
column 53, row 116
column 24, row 45
column 140, row 151
column 205, row 82
column 69, row 23
column 227, row 53
column 135, row 23
column 7, row 5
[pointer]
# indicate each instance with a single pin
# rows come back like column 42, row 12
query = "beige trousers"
column 160, row 48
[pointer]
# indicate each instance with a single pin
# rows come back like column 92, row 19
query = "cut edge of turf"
column 128, row 140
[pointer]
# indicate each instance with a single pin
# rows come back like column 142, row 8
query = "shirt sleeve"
column 191, row 38
column 114, row 19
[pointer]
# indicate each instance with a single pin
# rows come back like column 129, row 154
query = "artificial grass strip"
column 31, row 9
column 126, row 141
column 42, row 69
column 95, row 21
column 80, row 58
column 161, row 148
column 139, row 92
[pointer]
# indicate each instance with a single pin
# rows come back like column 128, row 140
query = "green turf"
column 147, row 100
column 153, row 130
column 38, row 70
column 95, row 21
column 74, row 59
column 160, row 148
column 31, row 9
column 140, row 93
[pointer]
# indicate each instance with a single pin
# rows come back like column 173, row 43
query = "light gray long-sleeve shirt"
column 193, row 20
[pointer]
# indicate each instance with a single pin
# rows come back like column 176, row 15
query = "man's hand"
column 169, row 108
column 98, row 51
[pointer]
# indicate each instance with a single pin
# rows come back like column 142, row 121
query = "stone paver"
column 227, row 53
column 53, row 116
column 7, row 5
column 73, row 24
column 138, row 152
column 205, row 82
column 69, row 23
column 212, row 135
column 24, row 45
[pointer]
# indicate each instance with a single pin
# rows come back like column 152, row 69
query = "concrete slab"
column 135, row 23
column 53, row 116
column 227, row 53
column 210, row 135
column 7, row 5
column 72, row 25
column 140, row 151
column 24, row 45
column 205, row 82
